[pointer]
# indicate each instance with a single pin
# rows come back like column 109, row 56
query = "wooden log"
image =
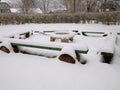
column 78, row 56
column 71, row 39
column 67, row 58
column 6, row 46
column 4, row 49
column 52, row 39
column 68, row 54
column 65, row 40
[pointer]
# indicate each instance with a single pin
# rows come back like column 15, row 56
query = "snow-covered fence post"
column 68, row 54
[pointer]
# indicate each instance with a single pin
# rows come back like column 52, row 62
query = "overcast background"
column 8, row 0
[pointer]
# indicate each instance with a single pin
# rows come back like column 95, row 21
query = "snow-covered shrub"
column 105, row 17
column 109, row 17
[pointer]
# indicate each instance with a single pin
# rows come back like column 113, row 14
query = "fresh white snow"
column 109, row 44
column 29, row 72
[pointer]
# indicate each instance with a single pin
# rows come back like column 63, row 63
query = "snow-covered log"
column 6, row 46
column 68, row 54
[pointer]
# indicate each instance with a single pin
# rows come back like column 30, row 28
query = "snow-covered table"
column 63, row 36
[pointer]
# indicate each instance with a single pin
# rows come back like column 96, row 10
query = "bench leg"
column 107, row 59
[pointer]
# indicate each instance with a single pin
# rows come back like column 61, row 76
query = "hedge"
column 104, row 17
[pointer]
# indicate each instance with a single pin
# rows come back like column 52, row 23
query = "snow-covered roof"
column 15, row 10
column 32, row 10
column 35, row 10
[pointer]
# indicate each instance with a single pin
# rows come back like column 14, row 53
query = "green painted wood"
column 48, row 31
column 85, row 33
column 45, row 47
column 95, row 32
column 35, row 46
column 11, row 36
column 107, row 54
column 81, row 51
column 20, row 34
column 24, row 33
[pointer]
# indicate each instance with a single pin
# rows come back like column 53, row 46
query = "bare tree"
column 67, row 4
column 26, row 5
column 72, row 5
column 43, row 5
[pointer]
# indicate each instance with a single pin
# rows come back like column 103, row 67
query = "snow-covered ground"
column 29, row 72
column 13, row 29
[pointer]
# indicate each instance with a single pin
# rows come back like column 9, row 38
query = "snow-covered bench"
column 63, row 36
column 20, row 35
column 35, row 48
column 26, row 46
column 108, row 48
column 94, row 34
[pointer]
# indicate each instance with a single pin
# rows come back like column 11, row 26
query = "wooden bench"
column 94, row 34
column 107, row 51
column 48, row 46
